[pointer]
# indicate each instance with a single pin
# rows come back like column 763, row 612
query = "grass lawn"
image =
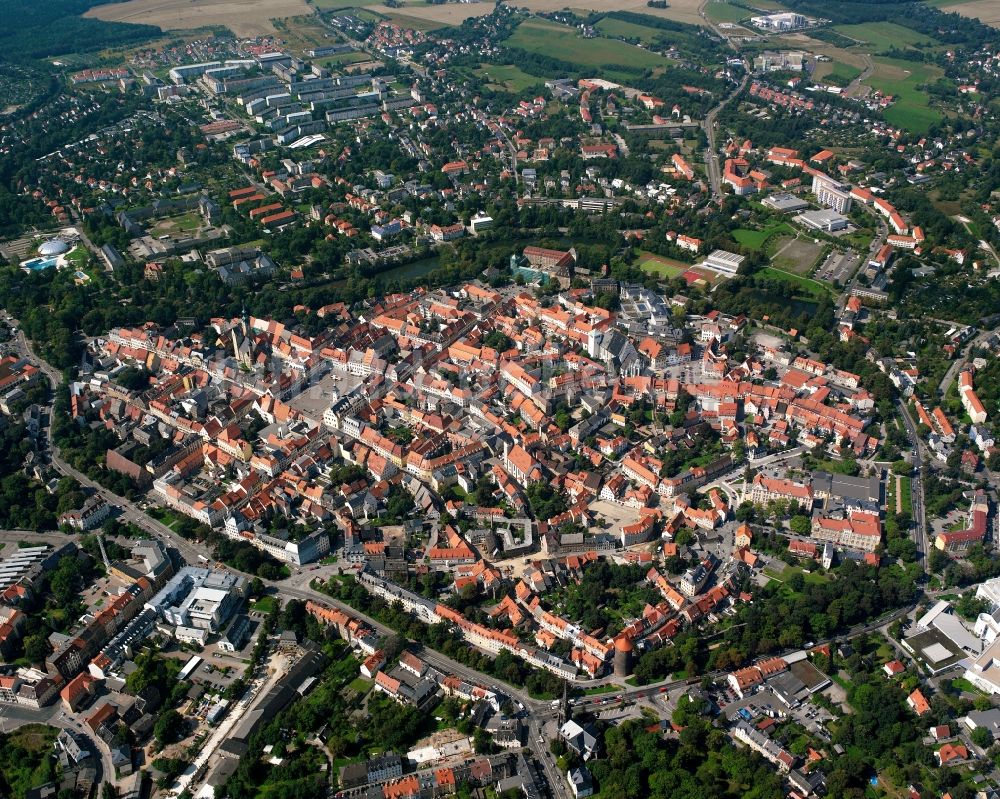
column 756, row 239
column 600, row 689
column 361, row 685
column 905, row 498
column 902, row 79
column 265, row 605
column 564, row 43
column 808, row 287
column 507, row 77
column 810, row 578
column 660, row 266
column 165, row 517
column 78, row 256
column 962, row 684
column 883, row 35
column 721, row 11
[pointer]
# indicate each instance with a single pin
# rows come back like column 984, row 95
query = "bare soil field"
column 243, row 17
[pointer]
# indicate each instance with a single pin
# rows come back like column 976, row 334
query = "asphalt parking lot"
column 838, row 266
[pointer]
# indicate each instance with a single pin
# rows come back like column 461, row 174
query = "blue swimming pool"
column 38, row 264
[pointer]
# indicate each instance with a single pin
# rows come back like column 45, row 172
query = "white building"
column 724, row 262
column 832, row 194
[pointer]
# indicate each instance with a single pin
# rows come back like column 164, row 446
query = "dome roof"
column 623, row 644
column 53, row 247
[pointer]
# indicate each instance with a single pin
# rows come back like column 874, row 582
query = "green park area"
column 756, row 239
column 805, row 286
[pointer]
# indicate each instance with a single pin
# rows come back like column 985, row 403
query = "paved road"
column 919, row 530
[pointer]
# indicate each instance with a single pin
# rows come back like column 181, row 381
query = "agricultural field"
column 986, row 11
column 564, row 43
column 902, row 79
column 881, row 36
column 660, row 266
column 431, row 17
column 507, row 77
column 627, row 30
column 242, row 17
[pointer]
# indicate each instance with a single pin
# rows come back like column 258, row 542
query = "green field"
column 840, row 74
column 905, row 497
column 883, row 35
column 343, row 58
column 756, row 239
column 626, row 30
column 507, row 77
column 902, row 79
column 565, row 44
column 807, row 286
column 660, row 266
column 721, row 11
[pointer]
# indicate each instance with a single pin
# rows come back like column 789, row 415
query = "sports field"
column 796, row 255
column 660, row 266
column 566, row 44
